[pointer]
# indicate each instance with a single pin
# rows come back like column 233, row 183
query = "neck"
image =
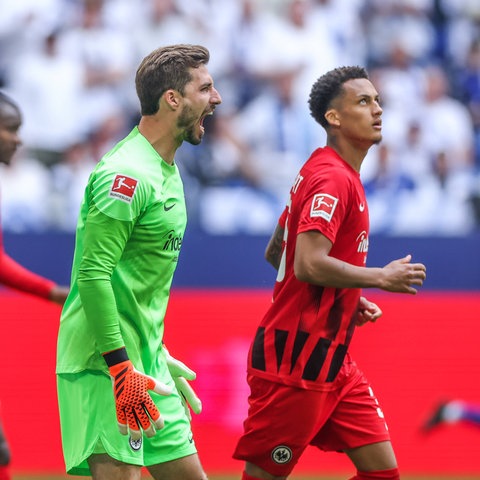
column 350, row 153
column 161, row 136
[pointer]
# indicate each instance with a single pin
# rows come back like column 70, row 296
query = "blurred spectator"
column 26, row 187
column 162, row 23
column 446, row 123
column 105, row 54
column 73, row 64
column 32, row 19
column 388, row 188
column 440, row 204
column 69, row 178
column 272, row 135
column 469, row 82
column 50, row 86
column 387, row 22
column 462, row 27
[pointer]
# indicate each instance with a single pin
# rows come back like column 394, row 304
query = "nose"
column 216, row 99
column 17, row 140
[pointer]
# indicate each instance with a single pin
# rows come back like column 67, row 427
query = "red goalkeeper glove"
column 134, row 406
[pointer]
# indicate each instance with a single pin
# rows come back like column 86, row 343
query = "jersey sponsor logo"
column 281, row 454
column 123, row 188
column 173, row 242
column 135, row 444
column 323, row 205
column 362, row 242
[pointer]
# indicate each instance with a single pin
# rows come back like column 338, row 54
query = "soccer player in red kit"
column 305, row 387
column 12, row 274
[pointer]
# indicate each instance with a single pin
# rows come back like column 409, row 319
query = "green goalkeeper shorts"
column 89, row 424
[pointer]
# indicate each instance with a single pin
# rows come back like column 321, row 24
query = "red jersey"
column 304, row 336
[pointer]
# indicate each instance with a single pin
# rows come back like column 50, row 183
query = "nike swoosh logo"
column 169, row 207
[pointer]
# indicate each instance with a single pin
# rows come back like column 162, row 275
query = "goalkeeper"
column 121, row 395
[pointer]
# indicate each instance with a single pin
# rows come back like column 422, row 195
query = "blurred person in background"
column 270, row 137
column 305, row 389
column 12, row 274
column 129, row 235
column 100, row 38
column 49, row 84
column 453, row 412
column 106, row 57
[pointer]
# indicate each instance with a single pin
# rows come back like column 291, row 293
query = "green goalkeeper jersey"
column 129, row 233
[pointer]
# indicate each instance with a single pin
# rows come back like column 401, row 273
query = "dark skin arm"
column 273, row 252
column 314, row 265
column 59, row 294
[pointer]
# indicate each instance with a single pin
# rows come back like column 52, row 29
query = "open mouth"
column 202, row 119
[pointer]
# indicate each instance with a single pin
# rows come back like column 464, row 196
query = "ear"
column 172, row 98
column 332, row 117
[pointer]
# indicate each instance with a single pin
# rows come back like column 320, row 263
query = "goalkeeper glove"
column 134, row 406
column 180, row 374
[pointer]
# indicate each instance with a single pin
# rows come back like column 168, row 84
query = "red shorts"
column 282, row 421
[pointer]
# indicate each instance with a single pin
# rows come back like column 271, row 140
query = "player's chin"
column 195, row 137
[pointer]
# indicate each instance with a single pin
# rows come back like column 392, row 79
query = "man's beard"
column 188, row 122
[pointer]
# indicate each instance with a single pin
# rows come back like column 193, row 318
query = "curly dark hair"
column 165, row 68
column 328, row 87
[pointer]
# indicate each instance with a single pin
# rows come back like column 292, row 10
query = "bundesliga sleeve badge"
column 123, row 188
column 323, row 205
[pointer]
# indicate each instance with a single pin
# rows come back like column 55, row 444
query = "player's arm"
column 104, row 241
column 273, row 252
column 14, row 275
column 314, row 265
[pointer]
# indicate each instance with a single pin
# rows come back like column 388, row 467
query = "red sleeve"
column 13, row 275
column 283, row 218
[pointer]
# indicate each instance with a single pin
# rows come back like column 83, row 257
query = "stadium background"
column 423, row 351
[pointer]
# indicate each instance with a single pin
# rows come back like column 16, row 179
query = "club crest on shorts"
column 323, row 205
column 135, row 444
column 123, row 188
column 281, row 454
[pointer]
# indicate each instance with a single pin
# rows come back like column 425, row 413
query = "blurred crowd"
column 70, row 64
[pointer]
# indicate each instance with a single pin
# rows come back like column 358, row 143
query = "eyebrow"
column 360, row 96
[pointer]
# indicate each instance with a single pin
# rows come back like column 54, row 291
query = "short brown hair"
column 165, row 68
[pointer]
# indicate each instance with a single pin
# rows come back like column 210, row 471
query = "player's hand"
column 180, row 374
column 59, row 294
column 134, row 406
column 367, row 312
column 401, row 276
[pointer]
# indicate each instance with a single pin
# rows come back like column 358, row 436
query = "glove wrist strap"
column 115, row 356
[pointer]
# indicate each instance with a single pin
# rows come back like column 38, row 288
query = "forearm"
column 13, row 275
column 100, row 309
column 331, row 272
column 104, row 242
column 273, row 252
